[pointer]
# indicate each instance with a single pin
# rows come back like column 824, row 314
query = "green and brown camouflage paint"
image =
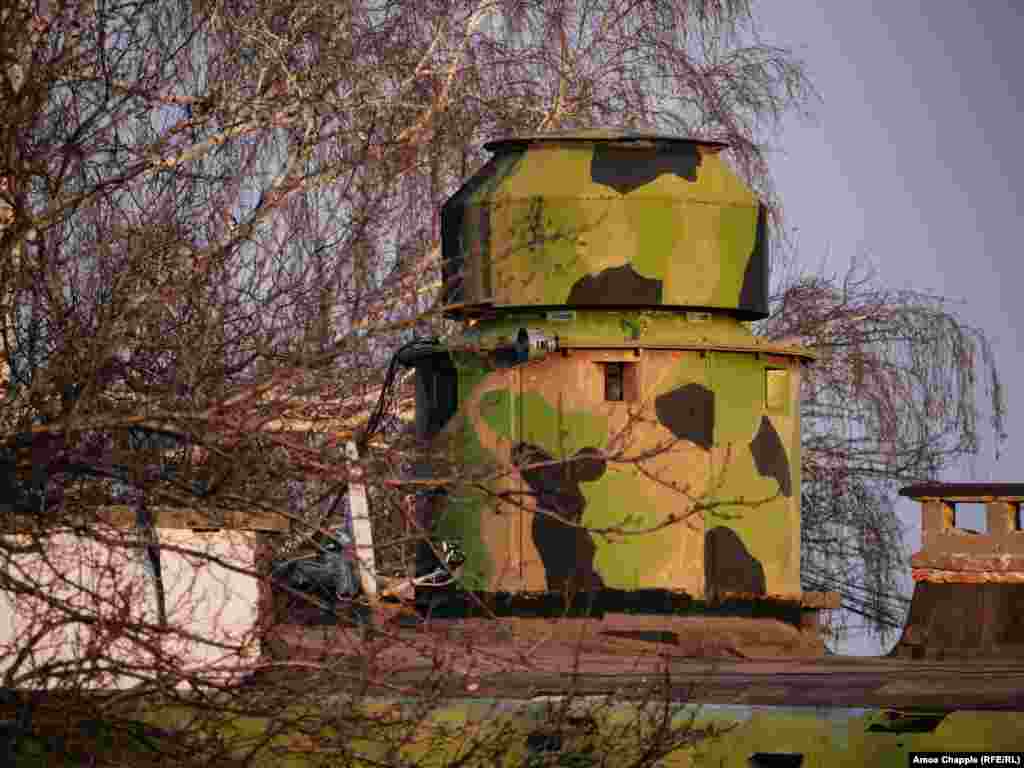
column 606, row 219
column 646, row 251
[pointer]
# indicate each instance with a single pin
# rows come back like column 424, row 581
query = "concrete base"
column 957, row 621
column 733, row 626
column 507, row 660
column 615, row 636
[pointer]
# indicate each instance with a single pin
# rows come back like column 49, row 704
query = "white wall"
column 109, row 583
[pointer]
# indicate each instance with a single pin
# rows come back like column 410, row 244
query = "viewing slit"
column 614, row 377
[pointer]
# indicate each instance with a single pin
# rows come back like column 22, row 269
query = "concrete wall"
column 205, row 602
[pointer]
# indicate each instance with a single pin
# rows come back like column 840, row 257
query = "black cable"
column 407, row 355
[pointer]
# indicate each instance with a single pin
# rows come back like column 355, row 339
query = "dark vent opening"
column 621, row 382
column 615, row 382
column 539, row 742
column 776, row 760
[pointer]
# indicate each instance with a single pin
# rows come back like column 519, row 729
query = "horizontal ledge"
column 692, row 346
column 821, row 600
column 940, row 576
column 488, row 308
column 961, row 561
column 970, row 499
column 680, row 597
column 972, row 544
column 957, row 533
column 122, row 516
column 808, row 600
column 966, row 492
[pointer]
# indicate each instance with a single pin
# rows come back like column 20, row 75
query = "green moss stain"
column 630, row 327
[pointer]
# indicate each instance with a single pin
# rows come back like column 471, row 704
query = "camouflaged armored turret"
column 606, row 219
column 648, row 439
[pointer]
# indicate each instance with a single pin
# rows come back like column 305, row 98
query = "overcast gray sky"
column 914, row 159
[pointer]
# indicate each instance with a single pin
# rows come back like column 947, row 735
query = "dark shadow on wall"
column 754, row 292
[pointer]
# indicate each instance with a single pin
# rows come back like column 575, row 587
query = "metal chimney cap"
column 591, row 135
